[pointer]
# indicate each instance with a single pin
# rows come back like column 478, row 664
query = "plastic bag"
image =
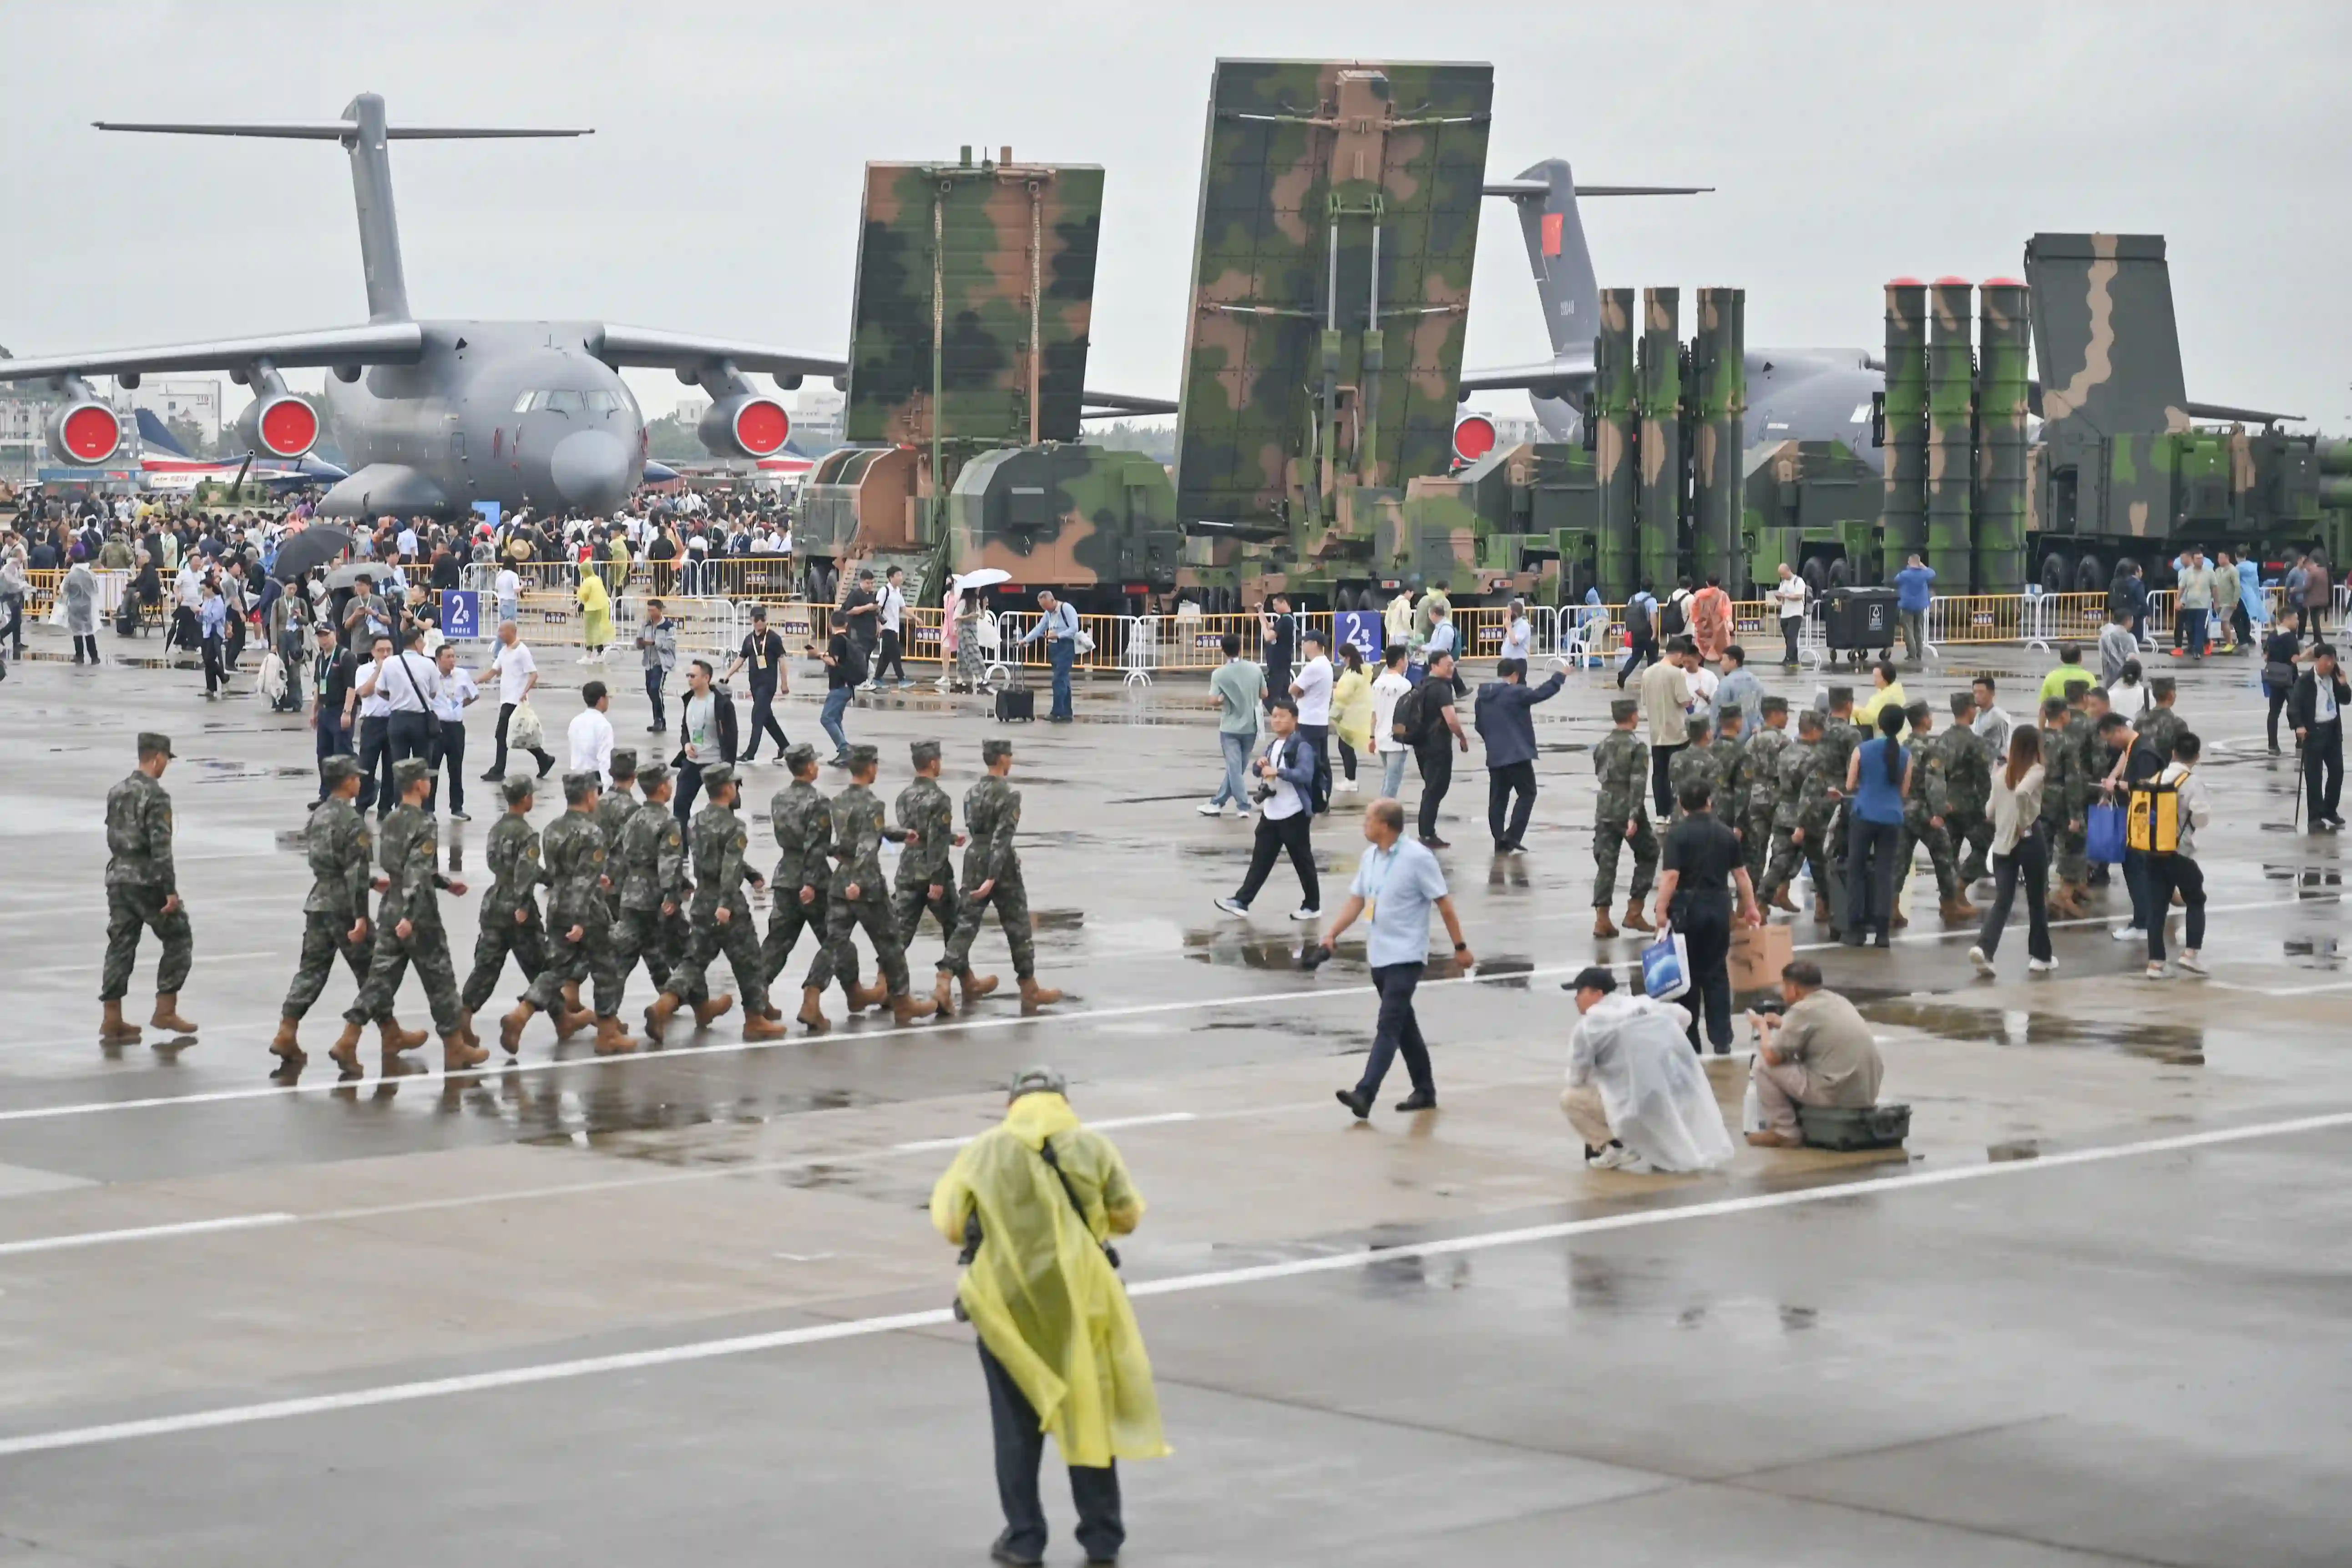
column 271, row 680
column 523, row 732
column 2103, row 834
column 1666, row 967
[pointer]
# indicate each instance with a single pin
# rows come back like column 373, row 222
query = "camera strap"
column 1045, row 1152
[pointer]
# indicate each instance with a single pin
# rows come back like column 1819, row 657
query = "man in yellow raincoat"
column 1034, row 1202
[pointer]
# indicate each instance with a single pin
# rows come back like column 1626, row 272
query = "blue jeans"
column 1392, row 772
column 2192, row 626
column 1065, row 651
column 1236, row 787
column 836, row 704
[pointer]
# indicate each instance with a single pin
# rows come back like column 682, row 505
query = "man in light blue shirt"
column 1913, row 592
column 1058, row 623
column 1237, row 685
column 1397, row 883
column 211, row 623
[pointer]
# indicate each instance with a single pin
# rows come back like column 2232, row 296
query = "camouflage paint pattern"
column 1951, row 466
column 1089, row 519
column 2001, row 556
column 1609, row 415
column 1660, row 398
column 1717, row 403
column 1904, row 517
column 1339, row 220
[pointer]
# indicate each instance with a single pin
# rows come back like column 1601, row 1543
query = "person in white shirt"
column 517, row 674
column 507, row 589
column 890, row 605
column 591, row 734
column 407, row 539
column 1311, row 685
column 408, row 685
column 366, row 707
column 456, row 689
column 1388, row 687
column 2178, row 872
column 1287, row 772
column 188, row 597
column 1518, row 634
column 1789, row 594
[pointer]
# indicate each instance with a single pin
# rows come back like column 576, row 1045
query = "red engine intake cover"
column 1474, row 437
column 289, row 427
column 761, row 426
column 92, row 434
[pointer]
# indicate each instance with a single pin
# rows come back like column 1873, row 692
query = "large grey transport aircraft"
column 436, row 416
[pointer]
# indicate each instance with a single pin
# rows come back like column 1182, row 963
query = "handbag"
column 2103, row 834
column 1665, row 966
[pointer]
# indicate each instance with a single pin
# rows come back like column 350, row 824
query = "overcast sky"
column 719, row 192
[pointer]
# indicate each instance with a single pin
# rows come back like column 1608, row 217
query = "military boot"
column 943, row 996
column 760, row 1026
column 908, row 1010
column 1782, row 901
column 1033, row 995
column 465, row 1027
column 716, row 1007
column 1603, row 926
column 1899, row 922
column 976, row 986
column 864, row 996
column 112, row 1030
column 457, row 1054
column 396, row 1039
column 511, row 1028
column 2065, row 903
column 572, row 1020
column 1633, row 918
column 1822, row 915
column 286, row 1045
column 812, row 1009
column 571, row 995
column 610, row 1041
column 345, row 1052
column 658, row 1016
column 167, row 1015
column 1957, row 910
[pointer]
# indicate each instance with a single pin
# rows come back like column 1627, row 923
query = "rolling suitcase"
column 1016, row 702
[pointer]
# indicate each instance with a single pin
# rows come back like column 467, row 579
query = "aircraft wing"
column 1108, row 404
column 1548, row 379
column 618, row 345
column 2223, row 411
column 389, row 342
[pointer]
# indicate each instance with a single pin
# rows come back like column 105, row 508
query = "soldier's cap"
column 150, row 741
column 864, row 757
column 625, row 764
column 719, row 776
column 340, row 766
column 990, row 750
column 516, row 788
column 1038, row 1080
column 924, row 753
column 1841, row 694
column 579, row 786
column 1697, row 724
column 652, row 777
column 1774, row 705
column 799, row 757
column 1622, row 708
column 409, row 772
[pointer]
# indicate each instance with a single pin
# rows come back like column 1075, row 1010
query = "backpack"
column 1637, row 621
column 1670, row 616
column 1416, row 711
column 2152, row 817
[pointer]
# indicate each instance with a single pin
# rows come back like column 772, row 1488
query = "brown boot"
column 1033, row 995
column 610, row 1041
column 1957, row 910
column 908, row 1010
column 2065, row 902
column 457, row 1054
column 1633, row 918
column 943, row 996
column 812, row 1009
column 1900, row 921
column 717, row 1007
column 976, row 986
column 658, row 1016
column 396, row 1039
column 864, row 996
column 1782, row 901
column 465, row 1027
column 572, row 1020
column 286, row 1045
column 1821, row 912
column 345, row 1052
column 511, row 1028
column 1603, row 925
column 114, row 1029
column 571, row 995
column 760, row 1026
column 166, row 1016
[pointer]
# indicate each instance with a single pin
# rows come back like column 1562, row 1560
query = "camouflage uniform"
column 858, row 830
column 341, row 853
column 1693, row 762
column 512, row 855
column 2066, row 797
column 1759, row 789
column 718, row 840
column 801, row 821
column 2160, row 727
column 411, row 847
column 1803, row 788
column 614, row 806
column 992, row 811
column 1839, row 738
column 1623, row 762
column 139, row 876
column 652, row 872
column 573, row 845
column 1967, row 764
column 1930, row 798
column 1730, row 779
column 925, row 811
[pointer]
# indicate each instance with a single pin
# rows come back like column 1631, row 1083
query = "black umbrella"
column 314, row 546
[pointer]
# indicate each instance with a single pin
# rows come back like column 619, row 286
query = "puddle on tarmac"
column 609, row 1122
column 2176, row 1045
column 2315, row 953
column 1233, row 948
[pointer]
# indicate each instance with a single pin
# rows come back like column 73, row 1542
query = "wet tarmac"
column 683, row 1306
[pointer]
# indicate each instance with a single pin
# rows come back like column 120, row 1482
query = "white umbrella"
column 986, row 577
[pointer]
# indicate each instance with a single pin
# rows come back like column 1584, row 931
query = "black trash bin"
column 1856, row 620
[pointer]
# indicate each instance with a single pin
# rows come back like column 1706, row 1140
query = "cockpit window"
column 561, row 403
column 600, row 402
column 522, row 402
column 1862, row 414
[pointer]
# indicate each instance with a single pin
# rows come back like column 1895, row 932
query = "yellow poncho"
column 1351, row 710
column 596, row 609
column 1041, row 1293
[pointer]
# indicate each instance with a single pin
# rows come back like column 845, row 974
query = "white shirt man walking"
column 591, row 733
column 518, row 674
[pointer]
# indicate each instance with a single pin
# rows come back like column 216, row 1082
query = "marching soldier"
column 2065, row 801
column 860, row 898
column 1801, row 820
column 1731, row 786
column 1927, row 819
column 408, row 931
column 1694, row 760
column 580, row 927
column 1621, row 817
column 1968, row 788
column 1759, row 785
column 335, row 916
column 508, row 919
column 142, row 889
column 721, row 919
column 614, row 806
column 801, row 821
column 1840, row 736
column 991, row 874
column 655, row 894
column 926, row 874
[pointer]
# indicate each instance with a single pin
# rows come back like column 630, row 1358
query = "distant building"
column 816, row 416
column 196, row 403
column 690, row 411
column 22, row 450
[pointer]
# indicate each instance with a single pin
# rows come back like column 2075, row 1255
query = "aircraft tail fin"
column 366, row 137
column 1546, row 198
column 155, row 437
column 2104, row 340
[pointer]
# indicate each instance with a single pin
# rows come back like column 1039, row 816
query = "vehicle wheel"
column 2088, row 578
column 1343, row 599
column 1816, row 576
column 2057, row 569
column 1580, row 578
column 1841, row 573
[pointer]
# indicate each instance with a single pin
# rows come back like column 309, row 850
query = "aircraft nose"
column 591, row 470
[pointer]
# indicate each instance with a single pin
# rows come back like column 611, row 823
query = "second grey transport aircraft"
column 436, row 416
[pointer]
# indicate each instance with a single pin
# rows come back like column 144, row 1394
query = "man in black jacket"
column 705, row 734
column 2315, row 708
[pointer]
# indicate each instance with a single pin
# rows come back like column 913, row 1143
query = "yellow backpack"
column 2152, row 817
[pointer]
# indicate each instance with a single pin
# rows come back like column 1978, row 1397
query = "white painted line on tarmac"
column 1160, row 1118
column 146, row 1232
column 1224, row 1278
column 209, row 958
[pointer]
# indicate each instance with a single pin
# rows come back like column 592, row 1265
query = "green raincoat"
column 1043, row 1298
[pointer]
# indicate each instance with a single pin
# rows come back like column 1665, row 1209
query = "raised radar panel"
column 975, row 295
column 1331, row 285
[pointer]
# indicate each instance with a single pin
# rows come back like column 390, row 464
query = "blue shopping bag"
column 2103, row 834
column 1665, row 966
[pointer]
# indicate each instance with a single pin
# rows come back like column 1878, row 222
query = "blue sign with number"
column 461, row 615
column 1365, row 629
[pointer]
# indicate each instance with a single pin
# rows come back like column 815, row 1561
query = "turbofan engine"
column 277, row 424
column 85, row 432
column 744, row 424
